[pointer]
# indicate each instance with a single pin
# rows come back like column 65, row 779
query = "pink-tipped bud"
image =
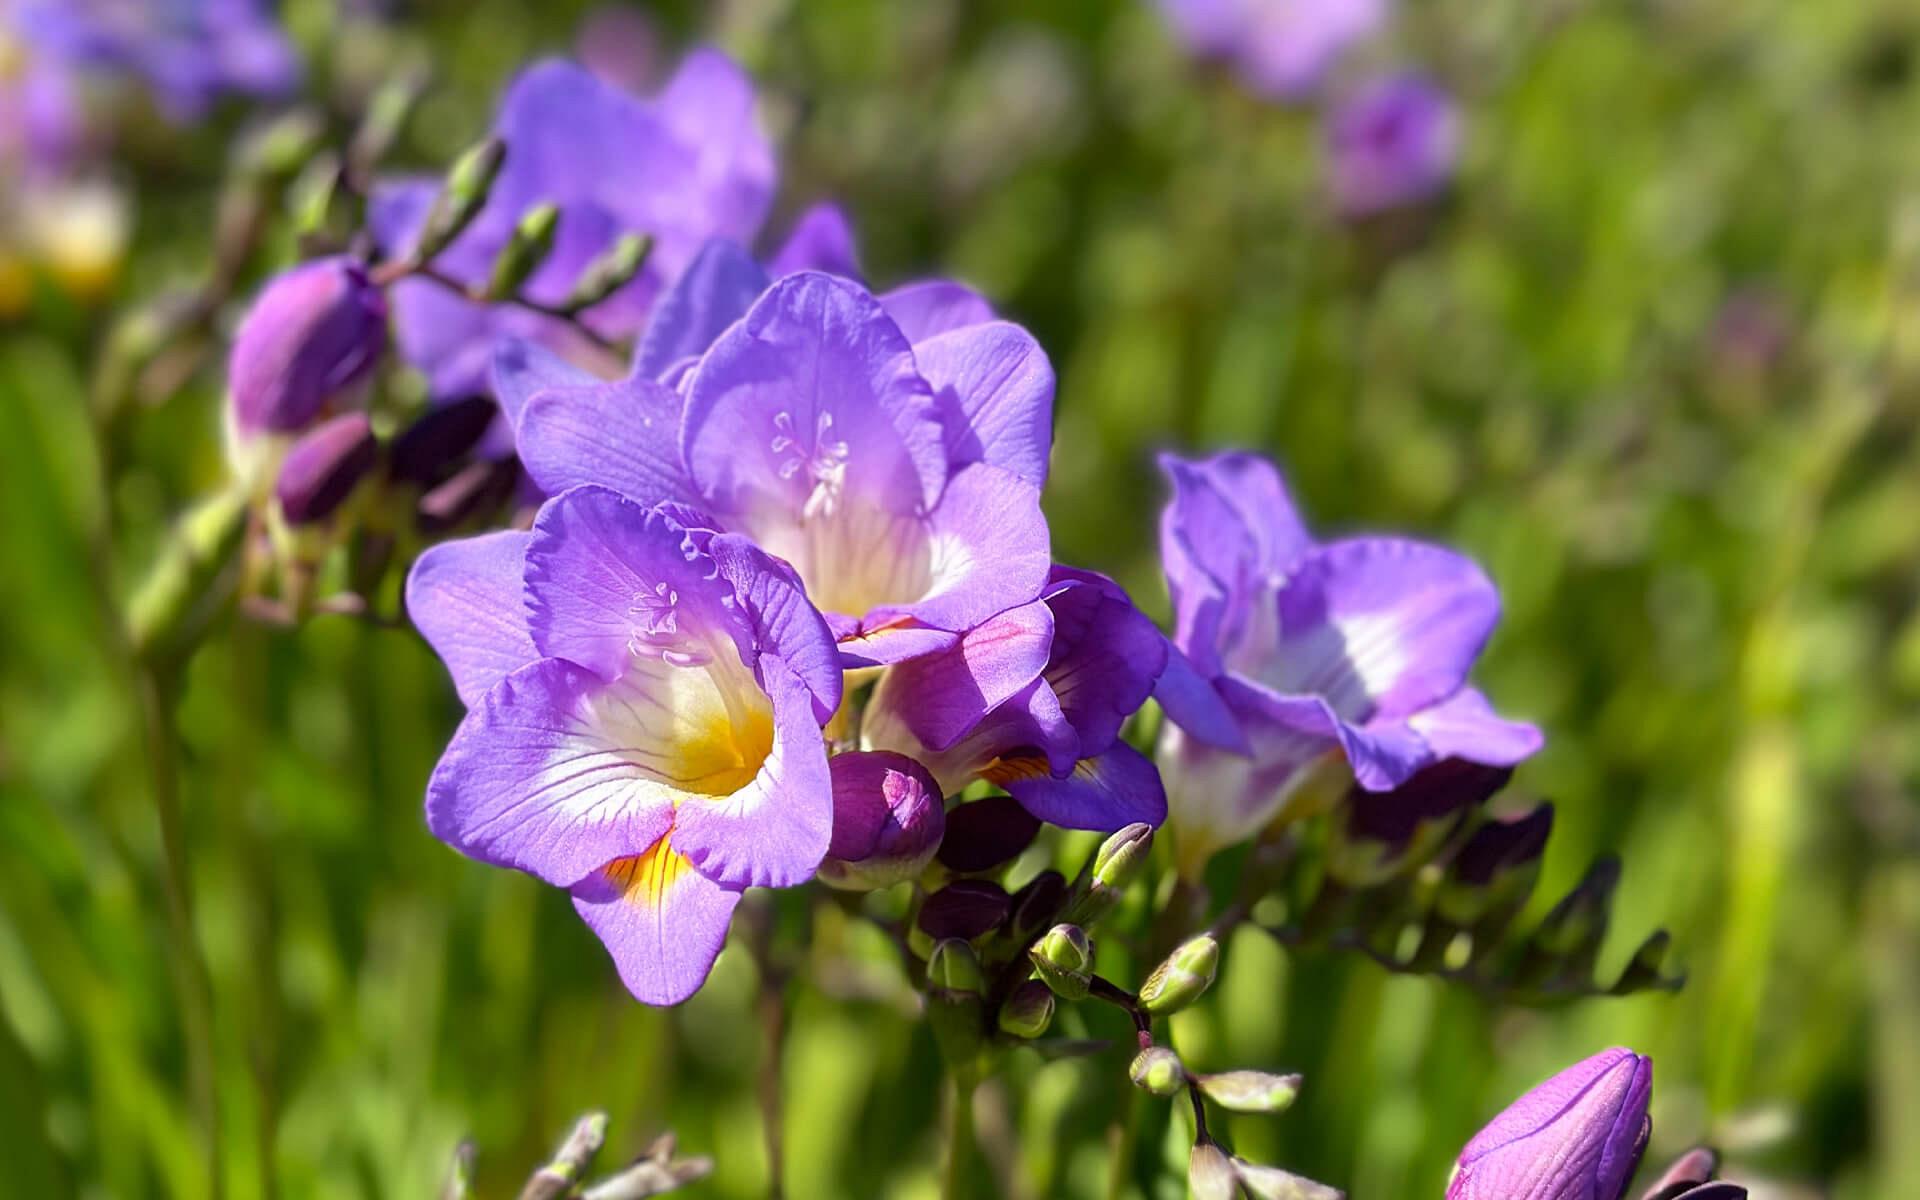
column 888, row 818
column 313, row 334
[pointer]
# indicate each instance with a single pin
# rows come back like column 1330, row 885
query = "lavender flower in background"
column 891, row 448
column 315, row 333
column 190, row 53
column 1578, row 1136
column 1393, row 143
column 622, row 46
column 646, row 701
column 1293, row 655
column 685, row 166
column 1283, row 49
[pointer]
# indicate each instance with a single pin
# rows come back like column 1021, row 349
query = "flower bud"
column 1384, row 834
column 1064, row 958
column 964, row 909
column 1158, row 1070
column 526, row 249
column 439, row 440
column 1495, row 867
column 471, row 492
column 1036, row 905
column 610, row 272
column 314, row 333
column 1183, row 978
column 324, row 467
column 1643, row 970
column 1115, row 866
column 1689, row 1178
column 955, row 985
column 1580, row 920
column 1578, row 1136
column 1271, row 1183
column 888, row 819
column 1028, row 1010
column 1210, row 1174
column 469, row 183
column 1250, row 1091
column 953, row 967
column 986, row 833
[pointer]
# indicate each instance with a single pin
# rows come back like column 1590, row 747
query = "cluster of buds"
column 658, row 1171
column 1425, row 880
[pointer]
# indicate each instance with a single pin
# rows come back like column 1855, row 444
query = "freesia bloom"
column 1281, row 48
column 1293, row 653
column 1034, row 701
column 1395, row 142
column 644, row 725
column 189, row 52
column 890, row 448
column 1578, row 1136
column 685, row 166
column 313, row 335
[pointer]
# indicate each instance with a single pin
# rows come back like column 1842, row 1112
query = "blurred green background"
column 1653, row 362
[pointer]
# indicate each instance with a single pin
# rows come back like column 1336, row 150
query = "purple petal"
column 1578, row 1135
column 468, row 600
column 1106, row 792
column 1380, row 626
column 663, row 922
column 1106, row 655
column 1383, row 754
column 1000, row 385
column 619, row 435
column 888, row 644
column 1228, row 526
column 712, row 293
column 611, row 582
column 989, row 546
column 822, row 240
column 931, row 307
column 1465, row 726
column 709, row 104
column 783, row 624
column 544, row 775
column 942, row 697
column 1191, row 702
column 811, row 403
column 522, row 370
column 774, row 831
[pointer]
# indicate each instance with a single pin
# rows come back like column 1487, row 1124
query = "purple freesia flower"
column 1291, row 654
column 189, row 52
column 644, row 726
column 1034, row 700
column 1578, row 1136
column 1393, row 143
column 890, row 448
column 1281, row 48
column 683, row 167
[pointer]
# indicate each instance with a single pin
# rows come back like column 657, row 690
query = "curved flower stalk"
column 1033, row 700
column 685, row 166
column 894, row 461
column 644, row 724
column 1292, row 655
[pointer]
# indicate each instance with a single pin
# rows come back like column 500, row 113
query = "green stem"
column 959, row 1139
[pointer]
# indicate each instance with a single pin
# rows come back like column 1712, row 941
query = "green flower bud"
column 282, row 146
column 610, row 272
column 1210, row 1174
column 1115, row 866
column 1645, row 970
column 1250, row 1091
column 954, row 1005
column 1271, row 1183
column 1158, row 1070
column 1183, row 978
column 529, row 246
column 1028, row 1010
column 1064, row 959
column 469, row 183
column 1581, row 918
column 953, row 967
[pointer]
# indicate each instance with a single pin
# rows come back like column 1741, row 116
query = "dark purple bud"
column 964, row 909
column 1713, row 1191
column 312, row 335
column 323, row 468
column 1580, row 919
column 434, row 446
column 887, row 820
column 1578, row 1136
column 986, row 833
column 1688, row 1172
column 1036, row 905
column 1385, row 833
column 1394, row 143
column 476, row 489
column 1502, row 845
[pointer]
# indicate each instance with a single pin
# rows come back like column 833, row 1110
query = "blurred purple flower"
column 1034, row 700
column 1394, row 143
column 1578, row 1136
column 43, row 128
column 646, row 701
column 1291, row 653
column 313, row 334
column 189, row 52
column 891, row 448
column 1281, row 48
column 622, row 46
column 685, row 166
